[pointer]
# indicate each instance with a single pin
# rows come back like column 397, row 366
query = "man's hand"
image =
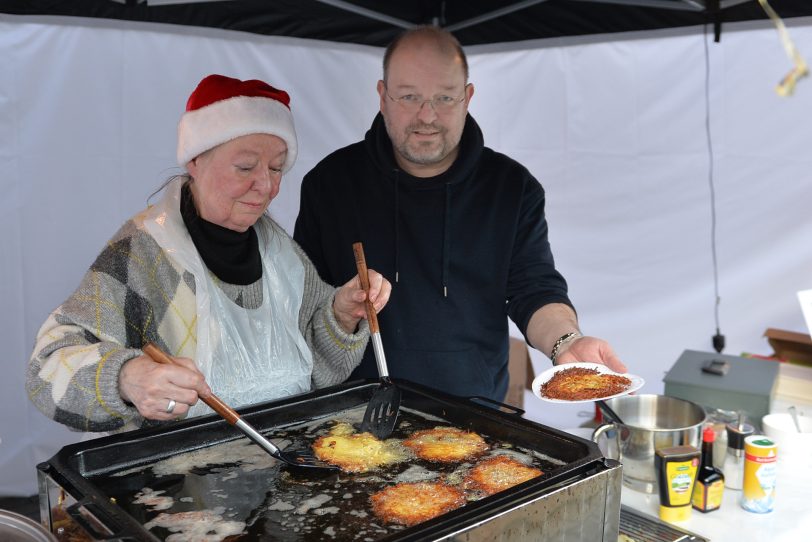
column 555, row 320
column 590, row 349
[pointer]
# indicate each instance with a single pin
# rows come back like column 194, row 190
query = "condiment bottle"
column 710, row 482
column 758, row 487
column 733, row 467
column 718, row 419
column 676, row 474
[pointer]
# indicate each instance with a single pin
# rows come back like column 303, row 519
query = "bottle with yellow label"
column 676, row 473
column 710, row 482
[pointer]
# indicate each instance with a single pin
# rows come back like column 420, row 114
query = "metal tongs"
column 381, row 414
column 295, row 458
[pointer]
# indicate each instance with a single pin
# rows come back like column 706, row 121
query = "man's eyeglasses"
column 441, row 103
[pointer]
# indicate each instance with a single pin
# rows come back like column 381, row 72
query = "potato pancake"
column 579, row 383
column 357, row 452
column 446, row 444
column 498, row 473
column 411, row 503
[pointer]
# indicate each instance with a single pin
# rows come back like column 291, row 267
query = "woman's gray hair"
column 186, row 179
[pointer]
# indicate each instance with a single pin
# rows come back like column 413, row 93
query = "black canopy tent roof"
column 376, row 22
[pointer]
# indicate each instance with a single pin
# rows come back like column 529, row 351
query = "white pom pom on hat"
column 223, row 108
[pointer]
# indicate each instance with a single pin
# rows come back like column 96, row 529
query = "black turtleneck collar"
column 232, row 256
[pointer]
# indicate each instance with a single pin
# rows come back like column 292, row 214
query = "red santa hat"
column 222, row 108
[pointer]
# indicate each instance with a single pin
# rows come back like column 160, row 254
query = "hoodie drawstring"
column 446, row 250
column 397, row 226
column 446, row 236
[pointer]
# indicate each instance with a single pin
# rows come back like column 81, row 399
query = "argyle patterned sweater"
column 135, row 293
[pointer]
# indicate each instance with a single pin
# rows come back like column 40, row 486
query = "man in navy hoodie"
column 458, row 228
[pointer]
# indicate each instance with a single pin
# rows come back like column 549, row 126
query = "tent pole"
column 346, row 6
column 493, row 14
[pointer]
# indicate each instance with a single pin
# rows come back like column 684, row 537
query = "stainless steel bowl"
column 18, row 528
column 650, row 423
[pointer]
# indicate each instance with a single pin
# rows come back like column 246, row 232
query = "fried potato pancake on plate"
column 446, row 444
column 498, row 473
column 357, row 452
column 578, row 383
column 411, row 503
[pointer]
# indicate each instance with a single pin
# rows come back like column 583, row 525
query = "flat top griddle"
column 242, row 483
column 205, row 468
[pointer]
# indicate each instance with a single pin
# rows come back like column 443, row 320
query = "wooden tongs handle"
column 217, row 404
column 363, row 274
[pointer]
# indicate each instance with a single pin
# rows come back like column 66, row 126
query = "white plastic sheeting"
column 615, row 131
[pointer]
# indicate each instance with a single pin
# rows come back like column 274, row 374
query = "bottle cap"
column 708, row 435
column 736, row 433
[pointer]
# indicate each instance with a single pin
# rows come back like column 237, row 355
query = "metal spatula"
column 381, row 414
column 295, row 458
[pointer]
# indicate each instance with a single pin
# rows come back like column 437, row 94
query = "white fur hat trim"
column 205, row 128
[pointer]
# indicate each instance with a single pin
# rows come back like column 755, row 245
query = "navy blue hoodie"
column 463, row 250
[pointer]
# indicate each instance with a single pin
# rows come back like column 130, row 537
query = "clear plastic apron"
column 247, row 355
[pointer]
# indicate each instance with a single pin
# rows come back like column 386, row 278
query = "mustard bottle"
column 676, row 474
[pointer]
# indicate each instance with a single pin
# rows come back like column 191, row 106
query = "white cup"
column 792, row 445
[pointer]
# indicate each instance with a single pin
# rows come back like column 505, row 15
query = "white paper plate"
column 637, row 382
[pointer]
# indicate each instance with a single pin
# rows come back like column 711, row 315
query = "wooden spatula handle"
column 217, row 404
column 363, row 274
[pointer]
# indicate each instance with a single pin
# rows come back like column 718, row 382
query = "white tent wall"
column 615, row 131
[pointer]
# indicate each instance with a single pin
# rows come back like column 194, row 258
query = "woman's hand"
column 349, row 303
column 154, row 387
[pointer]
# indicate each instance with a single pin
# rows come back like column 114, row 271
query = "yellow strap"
column 787, row 85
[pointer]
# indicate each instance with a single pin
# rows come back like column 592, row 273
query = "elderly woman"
column 208, row 276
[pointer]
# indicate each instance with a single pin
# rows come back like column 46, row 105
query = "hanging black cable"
column 718, row 339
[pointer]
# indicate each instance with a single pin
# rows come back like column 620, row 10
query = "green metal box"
column 747, row 386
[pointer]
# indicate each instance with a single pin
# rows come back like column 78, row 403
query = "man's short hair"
column 442, row 39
